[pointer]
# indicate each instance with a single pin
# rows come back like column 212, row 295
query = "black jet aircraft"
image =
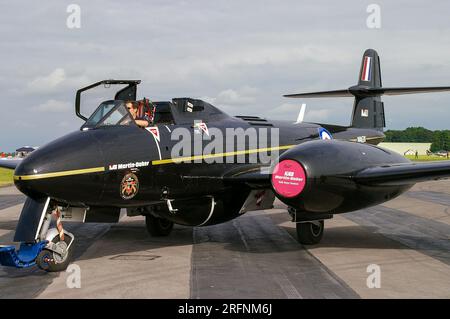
column 226, row 166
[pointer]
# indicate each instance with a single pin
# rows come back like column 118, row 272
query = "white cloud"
column 230, row 97
column 47, row 83
column 223, row 57
column 52, row 106
column 291, row 110
column 321, row 116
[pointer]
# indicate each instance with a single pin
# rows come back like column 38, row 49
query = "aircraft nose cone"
column 67, row 168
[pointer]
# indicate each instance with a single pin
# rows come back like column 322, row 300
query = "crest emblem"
column 129, row 186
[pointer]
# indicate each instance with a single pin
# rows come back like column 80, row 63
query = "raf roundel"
column 288, row 178
column 324, row 134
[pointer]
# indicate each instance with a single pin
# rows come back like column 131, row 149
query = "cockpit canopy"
column 180, row 111
column 109, row 113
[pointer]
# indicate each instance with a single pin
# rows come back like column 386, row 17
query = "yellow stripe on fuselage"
column 155, row 162
column 59, row 174
column 227, row 154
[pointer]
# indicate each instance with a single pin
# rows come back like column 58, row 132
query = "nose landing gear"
column 56, row 254
column 49, row 248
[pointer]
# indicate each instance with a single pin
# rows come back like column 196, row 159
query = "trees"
column 440, row 139
column 411, row 134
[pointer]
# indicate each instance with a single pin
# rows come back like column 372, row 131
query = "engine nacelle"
column 316, row 176
column 202, row 211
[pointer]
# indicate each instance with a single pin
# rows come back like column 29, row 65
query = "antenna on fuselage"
column 301, row 114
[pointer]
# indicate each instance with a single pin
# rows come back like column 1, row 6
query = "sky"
column 241, row 56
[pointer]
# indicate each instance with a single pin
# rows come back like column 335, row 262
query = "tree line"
column 440, row 140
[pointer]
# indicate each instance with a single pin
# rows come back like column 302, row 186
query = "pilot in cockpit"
column 141, row 121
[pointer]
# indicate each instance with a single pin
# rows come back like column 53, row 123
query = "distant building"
column 407, row 148
column 24, row 151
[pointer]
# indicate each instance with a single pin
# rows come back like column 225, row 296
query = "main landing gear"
column 157, row 226
column 310, row 233
column 309, row 227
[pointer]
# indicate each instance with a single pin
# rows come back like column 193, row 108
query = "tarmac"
column 254, row 256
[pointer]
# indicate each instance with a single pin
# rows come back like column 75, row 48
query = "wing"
column 392, row 174
column 254, row 177
column 8, row 163
column 398, row 174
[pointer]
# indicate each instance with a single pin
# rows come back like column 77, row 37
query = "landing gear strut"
column 310, row 233
column 157, row 226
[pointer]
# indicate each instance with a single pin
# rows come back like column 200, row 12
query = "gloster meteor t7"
column 110, row 164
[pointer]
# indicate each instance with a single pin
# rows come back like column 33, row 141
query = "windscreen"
column 109, row 113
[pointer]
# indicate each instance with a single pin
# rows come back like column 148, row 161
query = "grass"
column 425, row 158
column 6, row 176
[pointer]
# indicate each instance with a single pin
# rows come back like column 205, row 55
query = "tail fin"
column 368, row 110
column 370, row 72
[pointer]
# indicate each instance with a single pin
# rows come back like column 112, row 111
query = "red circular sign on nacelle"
column 288, row 178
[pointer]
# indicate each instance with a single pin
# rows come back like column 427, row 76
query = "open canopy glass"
column 109, row 113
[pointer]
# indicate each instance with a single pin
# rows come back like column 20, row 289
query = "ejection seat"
column 146, row 108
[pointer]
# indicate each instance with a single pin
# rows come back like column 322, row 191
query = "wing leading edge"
column 398, row 174
column 7, row 163
column 392, row 174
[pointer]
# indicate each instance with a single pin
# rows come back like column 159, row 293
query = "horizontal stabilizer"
column 366, row 92
column 409, row 90
column 336, row 93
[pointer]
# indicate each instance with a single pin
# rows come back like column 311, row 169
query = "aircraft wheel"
column 310, row 233
column 51, row 261
column 158, row 226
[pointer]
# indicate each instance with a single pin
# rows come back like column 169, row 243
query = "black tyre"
column 310, row 233
column 158, row 226
column 51, row 261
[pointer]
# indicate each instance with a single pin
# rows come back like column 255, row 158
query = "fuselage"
column 87, row 167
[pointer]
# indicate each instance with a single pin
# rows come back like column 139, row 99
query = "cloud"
column 47, row 83
column 240, row 59
column 286, row 111
column 322, row 116
column 52, row 106
column 230, row 97
column 291, row 110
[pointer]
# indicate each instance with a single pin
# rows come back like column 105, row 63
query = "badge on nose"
column 129, row 186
